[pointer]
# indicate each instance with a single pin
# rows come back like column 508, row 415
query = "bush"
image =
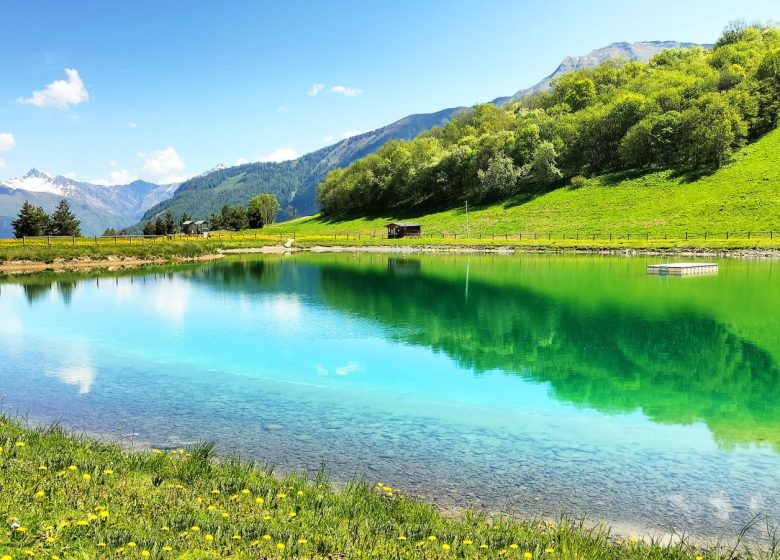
column 577, row 181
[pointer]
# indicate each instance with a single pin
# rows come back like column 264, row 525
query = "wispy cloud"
column 70, row 175
column 283, row 109
column 118, row 177
column 132, row 124
column 316, row 89
column 7, row 141
column 60, row 94
column 346, row 91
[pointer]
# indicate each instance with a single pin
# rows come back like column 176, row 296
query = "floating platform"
column 682, row 269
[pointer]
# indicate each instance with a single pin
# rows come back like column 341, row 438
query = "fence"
column 519, row 236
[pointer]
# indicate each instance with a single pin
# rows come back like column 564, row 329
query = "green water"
column 534, row 384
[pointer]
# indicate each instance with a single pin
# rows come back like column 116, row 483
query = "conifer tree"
column 63, row 221
column 32, row 221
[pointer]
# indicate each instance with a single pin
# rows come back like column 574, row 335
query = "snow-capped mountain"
column 97, row 206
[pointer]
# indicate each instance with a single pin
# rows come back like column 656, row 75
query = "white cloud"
column 283, row 109
column 7, row 141
column 70, row 175
column 60, row 93
column 131, row 124
column 162, row 166
column 315, row 89
column 280, row 154
column 346, row 90
column 119, row 177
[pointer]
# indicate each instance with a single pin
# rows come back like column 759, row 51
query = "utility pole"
column 467, row 219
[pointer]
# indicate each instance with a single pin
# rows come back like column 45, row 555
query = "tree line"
column 260, row 211
column 33, row 221
column 686, row 110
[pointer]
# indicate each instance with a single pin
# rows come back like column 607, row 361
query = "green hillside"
column 741, row 196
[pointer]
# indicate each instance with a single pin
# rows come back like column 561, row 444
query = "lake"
column 535, row 385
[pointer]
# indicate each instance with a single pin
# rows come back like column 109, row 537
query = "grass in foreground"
column 65, row 497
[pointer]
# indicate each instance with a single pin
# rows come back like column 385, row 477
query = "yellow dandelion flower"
column 468, row 542
column 267, row 517
column 156, row 452
column 131, row 544
column 87, row 477
column 6, row 557
column 42, row 468
column 445, row 547
column 211, row 508
column 432, row 538
column 514, row 546
column 104, row 513
column 483, row 546
column 101, row 544
column 302, row 541
column 40, row 494
column 502, row 552
column 281, row 495
column 195, row 529
column 81, row 523
column 215, row 491
column 549, row 550
column 280, row 546
column 225, row 514
column 633, row 540
column 20, row 444
column 527, row 555
column 50, row 539
column 300, row 492
column 259, row 501
column 199, row 500
column 165, row 528
column 245, row 491
column 266, row 537
column 184, row 534
column 92, row 517
column 145, row 553
column 108, row 472
column 401, row 538
column 292, row 514
column 209, row 537
column 254, row 543
column 167, row 548
column 236, row 537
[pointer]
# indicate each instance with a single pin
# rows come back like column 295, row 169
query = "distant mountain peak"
column 34, row 173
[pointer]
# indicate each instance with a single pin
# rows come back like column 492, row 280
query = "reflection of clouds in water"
column 10, row 321
column 723, row 507
column 171, row 299
column 74, row 369
column 83, row 376
column 125, row 289
column 283, row 308
column 351, row 367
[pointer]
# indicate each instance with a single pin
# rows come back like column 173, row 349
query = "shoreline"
column 116, row 262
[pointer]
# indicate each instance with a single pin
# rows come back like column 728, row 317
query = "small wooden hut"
column 397, row 230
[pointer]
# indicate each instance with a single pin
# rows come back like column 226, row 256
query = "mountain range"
column 294, row 182
column 97, row 206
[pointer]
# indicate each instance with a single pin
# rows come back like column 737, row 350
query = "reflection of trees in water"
column 680, row 369
column 37, row 291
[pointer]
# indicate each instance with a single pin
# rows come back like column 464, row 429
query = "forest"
column 687, row 110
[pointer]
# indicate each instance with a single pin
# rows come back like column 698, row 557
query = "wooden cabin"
column 397, row 230
column 194, row 228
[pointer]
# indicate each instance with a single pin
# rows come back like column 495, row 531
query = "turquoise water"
column 535, row 385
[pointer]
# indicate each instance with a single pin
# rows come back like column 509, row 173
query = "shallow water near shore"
column 532, row 384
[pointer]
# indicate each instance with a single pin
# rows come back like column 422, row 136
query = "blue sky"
column 167, row 89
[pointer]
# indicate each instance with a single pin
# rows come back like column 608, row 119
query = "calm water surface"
column 535, row 384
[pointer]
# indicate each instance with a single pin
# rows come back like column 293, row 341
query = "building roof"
column 403, row 224
column 188, row 222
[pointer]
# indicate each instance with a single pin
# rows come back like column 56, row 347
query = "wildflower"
column 300, row 492
column 445, row 547
column 40, row 494
column 6, row 557
column 211, row 508
column 468, row 542
column 209, row 537
column 267, row 517
column 167, row 548
column 254, row 543
column 184, row 534
column 165, row 528
column 92, row 517
column 233, row 498
column 236, row 537
column 156, row 452
column 108, row 472
column 215, row 491
column 199, row 500
column 432, row 538
column 266, row 537
column 50, row 539
column 633, row 540
column 259, row 501
column 42, row 468
column 549, row 550
column 21, row 529
column 104, row 513
column 73, row 468
column 502, row 552
column 131, row 544
column 225, row 514
column 281, row 495
column 514, row 546
column 145, row 553
column 292, row 514
column 245, row 491
column 20, row 444
column 195, row 529
column 527, row 555
column 280, row 546
column 401, row 538
column 302, row 541
column 87, row 477
column 101, row 544
column 483, row 546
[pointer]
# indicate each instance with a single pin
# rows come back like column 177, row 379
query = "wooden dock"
column 682, row 269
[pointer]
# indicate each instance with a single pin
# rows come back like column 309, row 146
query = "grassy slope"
column 71, row 498
column 743, row 196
